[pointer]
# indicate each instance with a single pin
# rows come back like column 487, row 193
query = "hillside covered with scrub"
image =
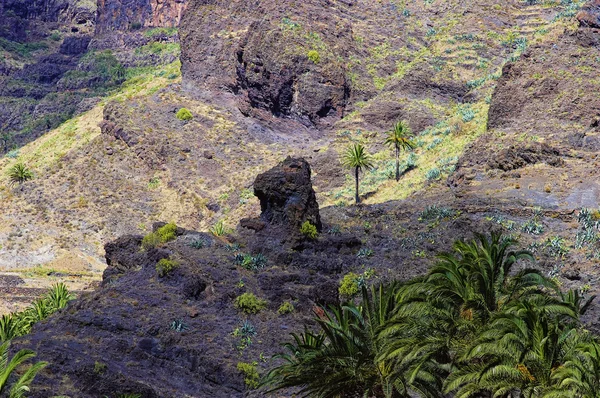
column 321, row 198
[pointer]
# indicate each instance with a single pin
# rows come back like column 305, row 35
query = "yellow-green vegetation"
column 248, row 303
column 314, row 56
column 436, row 152
column 286, row 308
column 184, row 114
column 43, row 155
column 99, row 367
column 165, row 266
column 352, row 282
column 250, row 372
column 309, row 230
column 219, row 229
column 162, row 235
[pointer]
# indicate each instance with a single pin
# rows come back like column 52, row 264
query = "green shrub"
column 219, row 229
column 184, row 114
column 249, row 303
column 164, row 234
column 167, row 232
column 352, row 283
column 349, row 285
column 55, row 36
column 19, row 173
column 251, row 376
column 99, row 367
column 309, row 230
column 165, row 266
column 314, row 56
column 286, row 308
column 150, row 241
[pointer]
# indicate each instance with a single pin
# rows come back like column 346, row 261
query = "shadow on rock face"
column 286, row 195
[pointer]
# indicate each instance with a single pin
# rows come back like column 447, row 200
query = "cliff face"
column 134, row 14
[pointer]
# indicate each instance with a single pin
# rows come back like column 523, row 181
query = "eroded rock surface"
column 286, row 194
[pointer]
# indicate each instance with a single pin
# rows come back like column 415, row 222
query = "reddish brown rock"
column 132, row 14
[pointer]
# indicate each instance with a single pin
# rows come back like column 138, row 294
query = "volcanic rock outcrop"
column 135, row 14
column 286, row 194
column 271, row 62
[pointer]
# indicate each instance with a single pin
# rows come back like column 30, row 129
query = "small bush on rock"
column 314, row 56
column 309, row 230
column 352, row 282
column 162, row 235
column 349, row 285
column 249, row 303
column 184, row 114
column 165, row 266
column 286, row 308
column 251, row 376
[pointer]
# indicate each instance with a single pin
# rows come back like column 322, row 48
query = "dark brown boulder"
column 286, row 194
column 516, row 157
column 589, row 16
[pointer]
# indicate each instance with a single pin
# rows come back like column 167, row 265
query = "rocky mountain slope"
column 500, row 96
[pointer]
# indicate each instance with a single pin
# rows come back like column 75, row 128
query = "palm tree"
column 21, row 386
column 398, row 139
column 517, row 354
column 58, row 297
column 9, row 327
column 342, row 360
column 19, row 173
column 580, row 374
column 439, row 315
column 356, row 158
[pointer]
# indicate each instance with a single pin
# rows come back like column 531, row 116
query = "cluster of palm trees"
column 474, row 326
column 357, row 158
column 18, row 324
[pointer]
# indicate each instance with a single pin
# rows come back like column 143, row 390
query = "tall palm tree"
column 356, row 158
column 7, row 367
column 398, row 139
